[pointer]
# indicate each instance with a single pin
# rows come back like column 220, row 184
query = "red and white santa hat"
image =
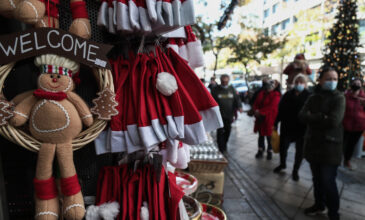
column 194, row 49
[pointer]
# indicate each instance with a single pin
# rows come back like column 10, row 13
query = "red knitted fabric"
column 45, row 189
column 58, row 96
column 78, row 10
column 70, row 186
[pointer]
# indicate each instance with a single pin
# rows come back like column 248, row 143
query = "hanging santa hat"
column 194, row 49
column 182, row 49
column 123, row 23
column 103, row 14
column 144, row 19
column 187, row 12
column 134, row 15
column 151, row 8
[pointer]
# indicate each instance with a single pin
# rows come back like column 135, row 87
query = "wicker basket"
column 105, row 80
column 215, row 166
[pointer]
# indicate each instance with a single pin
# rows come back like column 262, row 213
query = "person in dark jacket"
column 323, row 114
column 229, row 102
column 291, row 129
column 354, row 120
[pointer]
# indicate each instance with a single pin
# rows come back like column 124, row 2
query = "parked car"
column 241, row 88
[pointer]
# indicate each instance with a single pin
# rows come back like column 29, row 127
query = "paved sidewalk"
column 253, row 191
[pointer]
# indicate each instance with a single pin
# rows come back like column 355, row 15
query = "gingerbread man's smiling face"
column 55, row 82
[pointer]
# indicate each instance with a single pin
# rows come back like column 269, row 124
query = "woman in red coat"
column 266, row 109
column 354, row 120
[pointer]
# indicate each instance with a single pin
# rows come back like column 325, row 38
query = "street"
column 253, row 191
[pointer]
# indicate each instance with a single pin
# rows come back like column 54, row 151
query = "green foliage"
column 341, row 50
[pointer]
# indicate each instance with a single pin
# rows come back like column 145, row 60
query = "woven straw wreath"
column 105, row 80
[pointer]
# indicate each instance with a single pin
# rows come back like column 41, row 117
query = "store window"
column 274, row 8
column 285, row 24
column 275, row 29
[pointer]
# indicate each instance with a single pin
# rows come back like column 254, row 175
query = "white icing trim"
column 73, row 206
column 43, row 23
column 87, row 116
column 50, row 90
column 12, row 4
column 46, row 213
column 34, row 8
column 52, row 130
column 87, row 29
column 21, row 114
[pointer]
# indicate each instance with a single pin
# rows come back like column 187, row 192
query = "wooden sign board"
column 35, row 42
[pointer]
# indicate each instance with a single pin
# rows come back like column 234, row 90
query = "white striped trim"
column 21, row 114
column 73, row 206
column 51, row 130
column 87, row 116
column 34, row 8
column 46, row 213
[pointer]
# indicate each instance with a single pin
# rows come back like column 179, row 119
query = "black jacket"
column 228, row 101
column 323, row 113
column 289, row 108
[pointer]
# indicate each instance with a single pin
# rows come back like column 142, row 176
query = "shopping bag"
column 275, row 141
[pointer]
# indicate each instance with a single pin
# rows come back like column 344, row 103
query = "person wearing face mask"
column 265, row 109
column 323, row 114
column 291, row 128
column 354, row 120
column 229, row 102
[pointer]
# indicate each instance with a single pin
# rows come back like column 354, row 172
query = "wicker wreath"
column 15, row 135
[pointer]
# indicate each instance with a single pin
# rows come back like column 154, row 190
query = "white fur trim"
column 148, row 136
column 73, row 206
column 100, row 143
column 21, row 114
column 176, row 5
column 212, row 119
column 46, row 213
column 111, row 27
column 183, row 52
column 144, row 20
column 187, row 12
column 134, row 15
column 103, row 15
column 145, row 215
column 51, row 130
column 194, row 134
column 174, row 47
column 195, row 54
column 92, row 213
column 123, row 23
column 166, row 83
column 109, row 211
column 168, row 14
column 151, row 7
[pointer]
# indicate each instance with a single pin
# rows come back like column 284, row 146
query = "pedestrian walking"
column 229, row 102
column 291, row 128
column 265, row 109
column 323, row 113
column 354, row 120
column 212, row 83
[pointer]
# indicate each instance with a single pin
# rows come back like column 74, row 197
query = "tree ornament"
column 5, row 111
column 105, row 105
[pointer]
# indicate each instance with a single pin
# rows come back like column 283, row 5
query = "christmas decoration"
column 340, row 52
column 105, row 105
column 5, row 112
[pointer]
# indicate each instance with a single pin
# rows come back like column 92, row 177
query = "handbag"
column 275, row 141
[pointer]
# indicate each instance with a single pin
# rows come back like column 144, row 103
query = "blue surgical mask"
column 299, row 87
column 329, row 85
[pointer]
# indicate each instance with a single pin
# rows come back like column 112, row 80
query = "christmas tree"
column 340, row 52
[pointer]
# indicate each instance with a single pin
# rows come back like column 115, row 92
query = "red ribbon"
column 45, row 189
column 57, row 96
column 70, row 186
column 78, row 10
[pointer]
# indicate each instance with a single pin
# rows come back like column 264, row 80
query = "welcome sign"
column 35, row 42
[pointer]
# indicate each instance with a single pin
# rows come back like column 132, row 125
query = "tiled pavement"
column 253, row 191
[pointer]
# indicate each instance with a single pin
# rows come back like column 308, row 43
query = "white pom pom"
column 166, row 83
column 109, row 211
column 92, row 213
column 145, row 215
